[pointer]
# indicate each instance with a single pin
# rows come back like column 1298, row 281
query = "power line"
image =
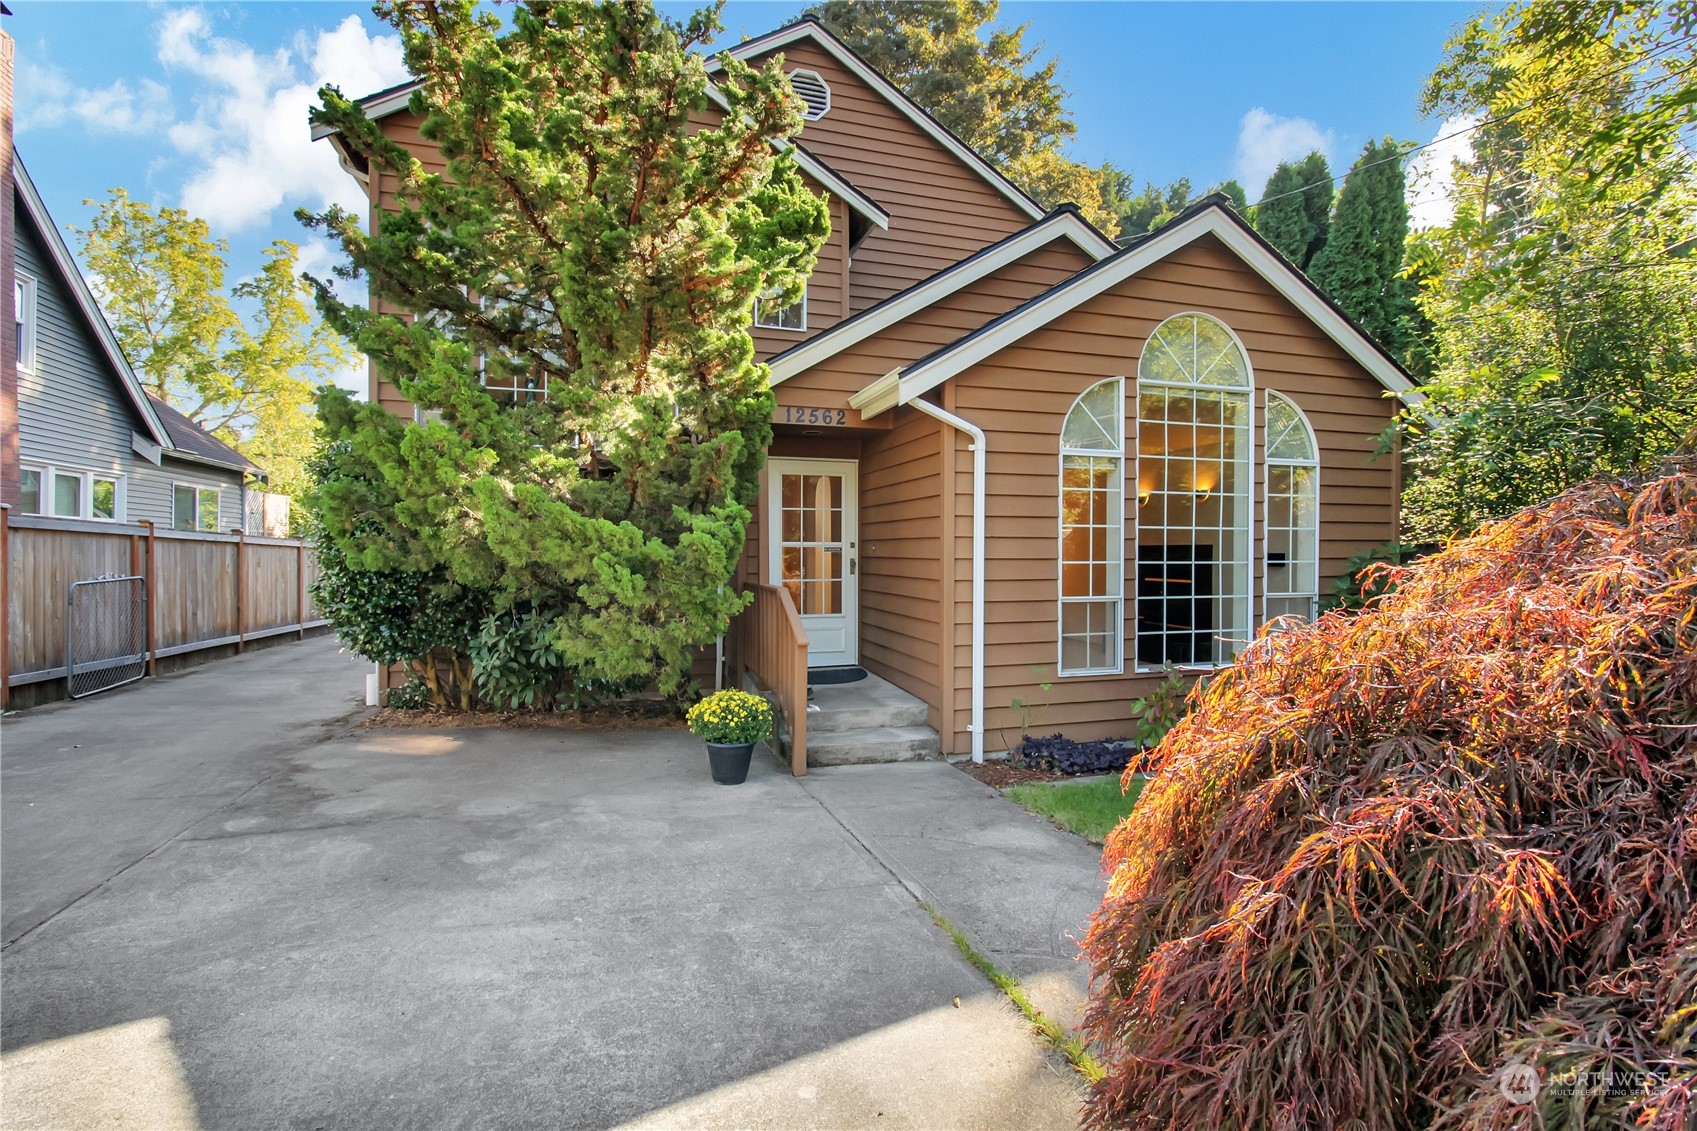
column 1481, row 124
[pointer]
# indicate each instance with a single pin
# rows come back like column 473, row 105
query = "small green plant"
column 1154, row 714
column 414, row 695
column 1030, row 714
column 1367, row 575
column 731, row 718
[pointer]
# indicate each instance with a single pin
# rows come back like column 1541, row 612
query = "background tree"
column 1294, row 213
column 591, row 251
column 982, row 81
column 159, row 276
column 1565, row 319
column 1360, row 266
column 1156, row 205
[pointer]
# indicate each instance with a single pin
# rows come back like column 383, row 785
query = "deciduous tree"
column 1564, row 312
column 250, row 380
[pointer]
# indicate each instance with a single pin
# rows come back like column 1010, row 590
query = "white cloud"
column 1431, row 173
column 249, row 133
column 48, row 99
column 1264, row 139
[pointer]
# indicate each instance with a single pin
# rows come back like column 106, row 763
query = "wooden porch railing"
column 772, row 644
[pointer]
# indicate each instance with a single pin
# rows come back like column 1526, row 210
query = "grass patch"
column 1067, row 1044
column 1090, row 809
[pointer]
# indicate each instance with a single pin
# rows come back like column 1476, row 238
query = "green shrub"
column 413, row 695
column 1392, row 859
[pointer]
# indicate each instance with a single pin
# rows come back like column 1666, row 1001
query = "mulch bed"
column 627, row 714
column 1000, row 775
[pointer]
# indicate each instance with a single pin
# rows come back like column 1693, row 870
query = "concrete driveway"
column 225, row 906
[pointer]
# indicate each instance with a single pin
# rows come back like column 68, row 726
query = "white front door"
column 812, row 536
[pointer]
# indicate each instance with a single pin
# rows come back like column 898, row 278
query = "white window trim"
column 802, row 329
column 1248, row 390
column 1269, row 593
column 85, row 496
column 198, row 488
column 26, row 316
column 1061, row 599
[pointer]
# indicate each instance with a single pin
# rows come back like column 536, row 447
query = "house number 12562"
column 795, row 415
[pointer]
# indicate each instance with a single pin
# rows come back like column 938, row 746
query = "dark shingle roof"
column 196, row 443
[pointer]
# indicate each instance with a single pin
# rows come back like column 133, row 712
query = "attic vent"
column 814, row 92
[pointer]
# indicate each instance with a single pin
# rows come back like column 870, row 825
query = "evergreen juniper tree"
column 591, row 249
column 1294, row 212
column 1360, row 266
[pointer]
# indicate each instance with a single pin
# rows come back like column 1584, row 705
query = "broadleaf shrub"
column 1391, row 859
column 1069, row 756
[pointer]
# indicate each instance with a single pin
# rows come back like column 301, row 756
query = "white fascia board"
column 944, row 283
column 72, row 278
column 918, row 380
column 812, row 32
column 850, row 195
column 375, row 107
column 880, row 396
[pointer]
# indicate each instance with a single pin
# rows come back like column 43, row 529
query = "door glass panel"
column 811, row 541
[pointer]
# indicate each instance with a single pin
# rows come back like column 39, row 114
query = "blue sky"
column 203, row 106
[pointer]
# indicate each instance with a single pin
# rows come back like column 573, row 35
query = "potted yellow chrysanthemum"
column 731, row 722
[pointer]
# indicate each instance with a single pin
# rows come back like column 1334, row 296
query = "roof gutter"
column 979, row 452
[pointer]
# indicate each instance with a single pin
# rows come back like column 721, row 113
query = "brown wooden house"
column 1009, row 453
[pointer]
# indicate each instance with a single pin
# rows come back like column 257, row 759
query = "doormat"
column 821, row 677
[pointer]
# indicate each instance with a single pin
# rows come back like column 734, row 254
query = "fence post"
column 300, row 589
column 5, row 605
column 241, row 590
column 150, row 596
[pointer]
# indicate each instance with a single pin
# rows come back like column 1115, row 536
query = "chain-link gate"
column 105, row 634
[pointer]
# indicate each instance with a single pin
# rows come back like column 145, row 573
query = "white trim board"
column 810, row 29
column 928, row 373
column 1058, row 225
column 73, row 280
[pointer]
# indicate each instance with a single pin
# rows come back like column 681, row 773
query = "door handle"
column 852, row 563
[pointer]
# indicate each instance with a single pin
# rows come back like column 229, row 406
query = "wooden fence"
column 203, row 590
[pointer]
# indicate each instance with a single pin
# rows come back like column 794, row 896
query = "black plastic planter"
column 730, row 762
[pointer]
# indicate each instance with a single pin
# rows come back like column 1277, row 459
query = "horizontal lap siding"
column 401, row 128
column 827, row 290
column 1019, row 397
column 944, row 321
column 901, row 628
column 941, row 210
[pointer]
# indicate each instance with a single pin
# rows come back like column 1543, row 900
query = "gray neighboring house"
column 91, row 442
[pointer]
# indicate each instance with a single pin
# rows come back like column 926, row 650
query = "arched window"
column 1092, row 539
column 1194, row 584
column 1293, row 511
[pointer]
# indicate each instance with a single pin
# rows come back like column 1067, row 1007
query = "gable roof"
column 192, row 442
column 1063, row 223
column 809, row 28
column 1210, row 216
column 71, row 279
column 396, row 99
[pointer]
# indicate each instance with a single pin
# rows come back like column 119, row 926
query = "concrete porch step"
column 864, row 705
column 869, row 744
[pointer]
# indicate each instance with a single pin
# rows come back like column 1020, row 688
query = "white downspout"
column 979, row 453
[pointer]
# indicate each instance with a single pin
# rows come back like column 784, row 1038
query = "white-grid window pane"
column 1292, row 513
column 1092, row 557
column 1193, row 577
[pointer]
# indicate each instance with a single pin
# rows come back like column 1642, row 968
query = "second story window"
column 23, row 316
column 769, row 316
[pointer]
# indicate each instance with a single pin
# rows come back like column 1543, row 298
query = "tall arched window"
column 1194, row 584
column 1092, row 539
column 1293, row 511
